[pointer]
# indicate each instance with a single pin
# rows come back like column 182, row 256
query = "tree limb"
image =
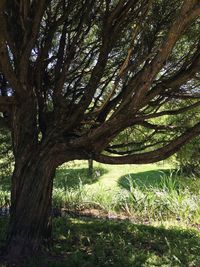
column 153, row 156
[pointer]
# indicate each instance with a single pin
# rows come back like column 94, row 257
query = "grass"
column 105, row 243
column 88, row 242
column 162, row 208
column 146, row 192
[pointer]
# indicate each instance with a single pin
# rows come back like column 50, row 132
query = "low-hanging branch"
column 143, row 147
column 152, row 156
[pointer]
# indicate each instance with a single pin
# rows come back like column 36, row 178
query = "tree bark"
column 31, row 200
column 90, row 167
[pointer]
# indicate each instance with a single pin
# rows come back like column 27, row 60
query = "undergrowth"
column 169, row 199
column 103, row 243
column 151, row 195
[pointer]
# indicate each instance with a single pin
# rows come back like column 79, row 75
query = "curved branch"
column 153, row 156
column 168, row 112
column 128, row 152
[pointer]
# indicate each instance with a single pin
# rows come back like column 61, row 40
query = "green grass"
column 145, row 192
column 102, row 243
column 167, row 203
column 89, row 242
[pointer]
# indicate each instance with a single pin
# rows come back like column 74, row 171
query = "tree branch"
column 154, row 156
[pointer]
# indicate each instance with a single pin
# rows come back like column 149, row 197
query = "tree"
column 187, row 158
column 75, row 76
column 6, row 157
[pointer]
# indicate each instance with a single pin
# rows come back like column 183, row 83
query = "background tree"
column 187, row 159
column 77, row 74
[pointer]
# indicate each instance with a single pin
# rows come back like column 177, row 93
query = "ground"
column 122, row 216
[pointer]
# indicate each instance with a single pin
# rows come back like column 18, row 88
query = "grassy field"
column 148, row 215
column 154, row 193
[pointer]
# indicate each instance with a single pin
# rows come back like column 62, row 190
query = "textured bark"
column 30, row 222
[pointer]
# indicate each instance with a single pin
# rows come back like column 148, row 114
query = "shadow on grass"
column 71, row 178
column 147, row 179
column 65, row 178
column 100, row 243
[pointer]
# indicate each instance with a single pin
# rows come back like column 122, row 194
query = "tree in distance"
column 91, row 79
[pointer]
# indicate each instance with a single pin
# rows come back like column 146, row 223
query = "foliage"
column 188, row 158
column 92, row 70
column 6, row 157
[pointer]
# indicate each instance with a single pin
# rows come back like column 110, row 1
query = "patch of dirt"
column 101, row 214
column 97, row 213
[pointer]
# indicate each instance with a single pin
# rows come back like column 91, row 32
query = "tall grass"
column 160, row 198
column 83, row 197
column 168, row 200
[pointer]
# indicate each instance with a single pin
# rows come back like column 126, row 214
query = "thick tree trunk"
column 31, row 197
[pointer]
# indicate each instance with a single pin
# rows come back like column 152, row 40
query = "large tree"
column 76, row 76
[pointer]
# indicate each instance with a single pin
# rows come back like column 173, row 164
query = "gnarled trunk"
column 31, row 197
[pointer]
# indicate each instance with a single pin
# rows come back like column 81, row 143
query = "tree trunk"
column 90, row 167
column 31, row 199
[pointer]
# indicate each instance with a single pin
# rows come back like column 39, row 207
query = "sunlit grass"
column 142, row 192
column 163, row 209
column 145, row 192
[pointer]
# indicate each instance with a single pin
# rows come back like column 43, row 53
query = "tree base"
column 17, row 252
column 20, row 249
